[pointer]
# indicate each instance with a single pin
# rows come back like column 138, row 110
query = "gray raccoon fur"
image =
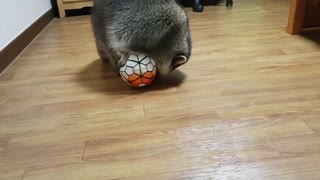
column 158, row 28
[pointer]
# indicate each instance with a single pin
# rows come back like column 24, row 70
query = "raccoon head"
column 165, row 37
column 177, row 53
column 167, row 64
column 178, row 47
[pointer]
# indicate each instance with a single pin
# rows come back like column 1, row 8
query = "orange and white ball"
column 139, row 71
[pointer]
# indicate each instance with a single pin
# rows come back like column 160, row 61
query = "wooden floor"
column 247, row 106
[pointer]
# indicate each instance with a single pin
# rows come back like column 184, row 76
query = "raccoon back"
column 139, row 25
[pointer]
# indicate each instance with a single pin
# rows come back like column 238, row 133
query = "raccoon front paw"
column 120, row 64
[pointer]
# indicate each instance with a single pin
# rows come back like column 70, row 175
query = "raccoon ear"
column 178, row 61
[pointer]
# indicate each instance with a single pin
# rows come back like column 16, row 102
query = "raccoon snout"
column 178, row 61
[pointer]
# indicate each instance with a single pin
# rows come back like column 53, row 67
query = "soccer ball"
column 139, row 71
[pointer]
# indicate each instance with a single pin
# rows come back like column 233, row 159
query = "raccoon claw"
column 120, row 64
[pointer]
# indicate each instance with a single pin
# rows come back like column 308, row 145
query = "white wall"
column 17, row 15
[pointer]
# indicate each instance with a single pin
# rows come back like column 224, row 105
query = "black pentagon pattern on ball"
column 132, row 61
column 147, row 77
column 139, row 62
column 138, row 76
column 124, row 72
column 153, row 66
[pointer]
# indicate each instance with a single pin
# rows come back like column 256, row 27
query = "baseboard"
column 11, row 51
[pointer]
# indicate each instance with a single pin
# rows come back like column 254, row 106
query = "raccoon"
column 157, row 28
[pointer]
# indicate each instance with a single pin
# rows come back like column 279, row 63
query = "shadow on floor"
column 312, row 36
column 100, row 77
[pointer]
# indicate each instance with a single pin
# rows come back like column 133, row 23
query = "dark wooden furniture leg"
column 229, row 3
column 198, row 7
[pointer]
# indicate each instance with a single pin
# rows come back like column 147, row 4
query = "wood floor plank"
column 182, row 143
column 3, row 100
column 288, row 169
column 4, row 139
column 246, row 106
column 11, row 173
column 33, row 156
column 136, row 155
column 314, row 123
column 296, row 146
column 81, row 126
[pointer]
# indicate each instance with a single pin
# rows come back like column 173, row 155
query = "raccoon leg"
column 116, row 60
column 108, row 55
column 103, row 55
column 102, row 51
column 122, row 61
